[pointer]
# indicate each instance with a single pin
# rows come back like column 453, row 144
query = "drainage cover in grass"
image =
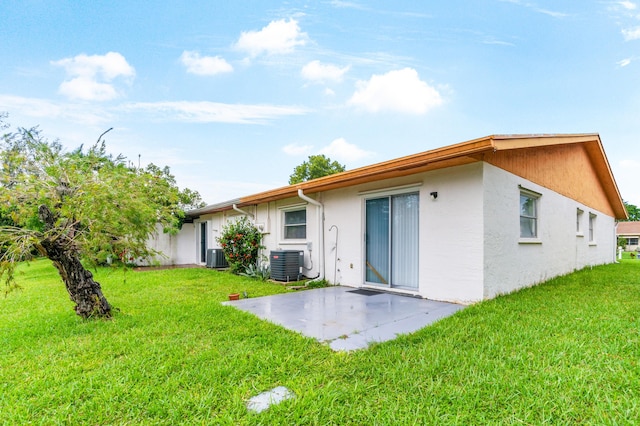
column 266, row 399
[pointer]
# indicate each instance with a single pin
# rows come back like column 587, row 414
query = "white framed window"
column 529, row 219
column 592, row 227
column 295, row 224
column 632, row 241
column 579, row 216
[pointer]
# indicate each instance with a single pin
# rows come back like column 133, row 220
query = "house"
column 461, row 223
column 631, row 232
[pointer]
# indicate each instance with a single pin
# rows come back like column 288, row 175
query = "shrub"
column 240, row 242
column 260, row 272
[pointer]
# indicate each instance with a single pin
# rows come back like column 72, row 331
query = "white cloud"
column 400, row 91
column 342, row 151
column 315, row 71
column 630, row 164
column 204, row 65
column 347, row 5
column 87, row 89
column 536, row 8
column 213, row 112
column 297, row 150
column 627, row 5
column 91, row 77
column 624, row 62
column 339, row 150
column 279, row 37
column 42, row 108
column 631, row 34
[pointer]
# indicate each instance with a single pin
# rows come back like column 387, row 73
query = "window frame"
column 535, row 196
column 579, row 219
column 592, row 228
column 285, row 225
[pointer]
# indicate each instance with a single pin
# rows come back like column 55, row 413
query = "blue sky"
column 233, row 95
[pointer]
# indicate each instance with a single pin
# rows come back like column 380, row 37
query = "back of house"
column 461, row 223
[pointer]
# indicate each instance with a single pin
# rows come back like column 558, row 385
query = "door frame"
column 202, row 241
column 390, row 194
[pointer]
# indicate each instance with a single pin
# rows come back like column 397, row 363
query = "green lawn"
column 564, row 352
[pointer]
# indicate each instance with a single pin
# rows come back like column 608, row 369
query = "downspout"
column 239, row 210
column 320, row 233
column 615, row 244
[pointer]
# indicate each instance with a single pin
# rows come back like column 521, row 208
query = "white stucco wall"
column 512, row 263
column 271, row 215
column 185, row 250
column 453, row 220
column 176, row 249
column 452, row 249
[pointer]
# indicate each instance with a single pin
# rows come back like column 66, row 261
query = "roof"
column 482, row 149
column 628, row 228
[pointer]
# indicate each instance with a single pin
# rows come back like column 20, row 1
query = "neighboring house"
column 631, row 232
column 462, row 223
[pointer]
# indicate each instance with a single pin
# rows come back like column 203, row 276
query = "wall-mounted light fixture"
column 434, row 195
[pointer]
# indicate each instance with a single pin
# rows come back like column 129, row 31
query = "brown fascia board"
column 599, row 160
column 461, row 153
column 212, row 208
column 537, row 140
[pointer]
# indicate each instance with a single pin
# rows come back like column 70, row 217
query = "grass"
column 563, row 352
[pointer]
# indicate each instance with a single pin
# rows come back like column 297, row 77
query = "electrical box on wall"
column 263, row 227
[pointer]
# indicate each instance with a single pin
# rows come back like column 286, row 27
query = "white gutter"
column 235, row 207
column 320, row 232
column 615, row 239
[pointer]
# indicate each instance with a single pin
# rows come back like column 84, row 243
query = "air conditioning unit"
column 216, row 259
column 286, row 265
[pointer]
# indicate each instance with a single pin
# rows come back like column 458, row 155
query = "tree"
column 317, row 166
column 632, row 211
column 77, row 208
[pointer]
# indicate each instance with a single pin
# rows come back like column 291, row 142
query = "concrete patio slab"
column 347, row 318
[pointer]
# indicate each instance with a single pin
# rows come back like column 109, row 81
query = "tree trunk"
column 84, row 291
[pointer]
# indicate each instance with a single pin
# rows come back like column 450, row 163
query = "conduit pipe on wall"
column 239, row 210
column 320, row 232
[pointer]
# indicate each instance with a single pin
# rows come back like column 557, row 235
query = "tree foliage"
column 632, row 211
column 241, row 242
column 80, row 205
column 317, row 166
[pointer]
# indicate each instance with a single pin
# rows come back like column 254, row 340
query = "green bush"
column 260, row 271
column 240, row 242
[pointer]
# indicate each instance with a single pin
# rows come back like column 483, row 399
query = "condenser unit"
column 216, row 259
column 286, row 265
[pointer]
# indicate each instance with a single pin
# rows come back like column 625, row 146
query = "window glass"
column 592, row 226
column 528, row 216
column 579, row 222
column 295, row 224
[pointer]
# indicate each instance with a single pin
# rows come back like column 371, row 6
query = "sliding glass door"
column 392, row 240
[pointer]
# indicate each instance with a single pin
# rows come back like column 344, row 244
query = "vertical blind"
column 392, row 240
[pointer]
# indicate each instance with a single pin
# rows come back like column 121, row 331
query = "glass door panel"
column 392, row 240
column 404, row 241
column 377, row 241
